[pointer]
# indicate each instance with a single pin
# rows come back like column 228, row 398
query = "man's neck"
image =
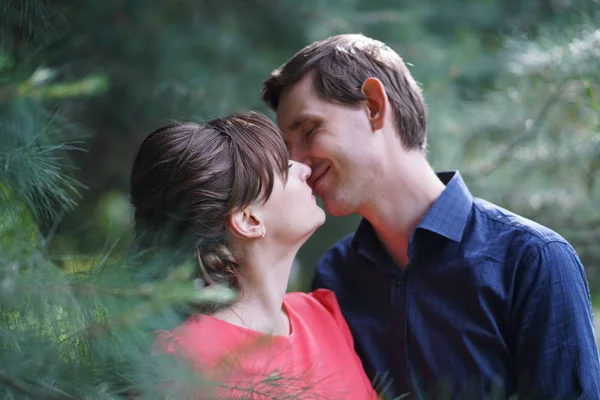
column 403, row 199
column 263, row 284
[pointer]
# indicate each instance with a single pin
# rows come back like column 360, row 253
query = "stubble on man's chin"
column 337, row 206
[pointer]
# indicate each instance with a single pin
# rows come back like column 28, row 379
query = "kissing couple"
column 437, row 294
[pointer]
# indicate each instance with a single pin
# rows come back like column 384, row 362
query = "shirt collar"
column 447, row 217
column 449, row 214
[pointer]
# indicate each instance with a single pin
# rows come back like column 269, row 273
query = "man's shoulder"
column 338, row 252
column 332, row 264
column 501, row 224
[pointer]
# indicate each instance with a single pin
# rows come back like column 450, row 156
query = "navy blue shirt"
column 491, row 304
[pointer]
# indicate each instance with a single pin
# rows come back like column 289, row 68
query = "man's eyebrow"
column 300, row 120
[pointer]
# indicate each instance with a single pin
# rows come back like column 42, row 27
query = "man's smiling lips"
column 318, row 178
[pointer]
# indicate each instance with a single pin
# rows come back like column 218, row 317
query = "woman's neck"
column 263, row 284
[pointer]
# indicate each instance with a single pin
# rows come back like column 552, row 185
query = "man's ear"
column 246, row 224
column 376, row 98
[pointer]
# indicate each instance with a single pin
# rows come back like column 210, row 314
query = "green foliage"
column 86, row 335
column 514, row 101
column 73, row 335
column 68, row 333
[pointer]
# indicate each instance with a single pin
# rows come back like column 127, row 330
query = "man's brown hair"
column 340, row 65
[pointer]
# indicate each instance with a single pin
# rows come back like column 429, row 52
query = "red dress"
column 316, row 361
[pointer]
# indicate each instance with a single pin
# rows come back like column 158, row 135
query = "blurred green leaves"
column 512, row 89
column 71, row 327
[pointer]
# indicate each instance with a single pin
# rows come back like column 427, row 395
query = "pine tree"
column 87, row 334
column 517, row 114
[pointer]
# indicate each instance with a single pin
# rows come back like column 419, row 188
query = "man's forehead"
column 296, row 100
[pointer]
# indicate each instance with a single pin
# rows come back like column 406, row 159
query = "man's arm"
column 555, row 346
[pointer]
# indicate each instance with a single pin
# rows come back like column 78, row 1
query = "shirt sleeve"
column 328, row 300
column 555, row 346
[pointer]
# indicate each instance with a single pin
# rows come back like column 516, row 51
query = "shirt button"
column 400, row 282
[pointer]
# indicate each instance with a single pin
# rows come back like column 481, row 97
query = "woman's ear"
column 376, row 98
column 246, row 224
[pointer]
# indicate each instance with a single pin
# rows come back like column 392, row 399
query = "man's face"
column 336, row 141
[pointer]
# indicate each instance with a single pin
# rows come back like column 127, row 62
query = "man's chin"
column 335, row 208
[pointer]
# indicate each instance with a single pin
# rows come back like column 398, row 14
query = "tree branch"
column 50, row 393
column 508, row 151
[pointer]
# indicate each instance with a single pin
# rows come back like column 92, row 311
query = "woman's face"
column 291, row 214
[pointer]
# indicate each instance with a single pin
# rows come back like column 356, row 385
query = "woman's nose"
column 304, row 171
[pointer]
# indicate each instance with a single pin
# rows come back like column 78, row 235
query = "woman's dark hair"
column 188, row 178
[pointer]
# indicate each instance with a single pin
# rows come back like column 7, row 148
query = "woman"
column 227, row 191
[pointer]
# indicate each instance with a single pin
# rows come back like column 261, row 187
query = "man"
column 447, row 295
